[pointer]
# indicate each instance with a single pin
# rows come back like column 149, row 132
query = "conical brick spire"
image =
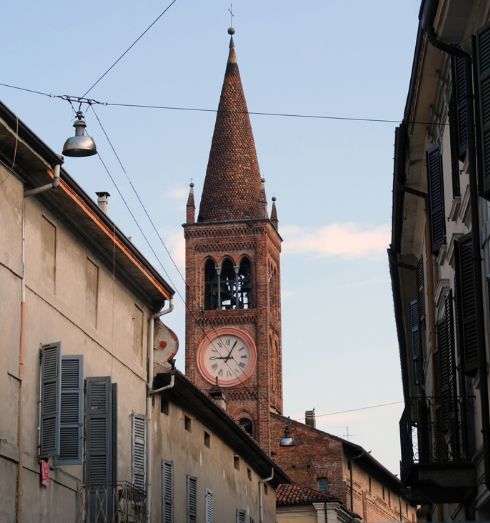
column 232, row 189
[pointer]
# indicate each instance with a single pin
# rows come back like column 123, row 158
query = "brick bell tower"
column 233, row 319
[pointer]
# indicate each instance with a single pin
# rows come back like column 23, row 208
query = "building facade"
column 439, row 263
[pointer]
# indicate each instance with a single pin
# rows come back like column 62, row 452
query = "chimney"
column 310, row 418
column 103, row 201
column 217, row 395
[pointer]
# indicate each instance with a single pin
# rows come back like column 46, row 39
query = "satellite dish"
column 165, row 347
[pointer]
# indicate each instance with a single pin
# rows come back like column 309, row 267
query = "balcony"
column 116, row 503
column 436, row 455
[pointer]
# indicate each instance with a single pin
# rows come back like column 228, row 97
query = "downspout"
column 351, row 479
column 261, row 499
column 19, row 497
column 149, row 393
column 427, row 22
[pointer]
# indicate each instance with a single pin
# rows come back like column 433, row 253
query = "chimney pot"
column 310, row 418
column 103, row 200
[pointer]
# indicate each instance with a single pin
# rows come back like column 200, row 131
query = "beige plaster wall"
column 213, row 466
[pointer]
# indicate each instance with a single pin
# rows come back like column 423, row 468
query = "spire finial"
column 231, row 29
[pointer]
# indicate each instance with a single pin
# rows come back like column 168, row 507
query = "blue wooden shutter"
column 191, row 499
column 71, row 418
column 50, row 399
column 482, row 88
column 209, row 507
column 138, row 451
column 167, row 491
column 415, row 336
column 435, row 184
column 467, row 317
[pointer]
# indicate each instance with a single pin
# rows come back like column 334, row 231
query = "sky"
column 332, row 177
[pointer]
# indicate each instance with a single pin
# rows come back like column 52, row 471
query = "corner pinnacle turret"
column 232, row 188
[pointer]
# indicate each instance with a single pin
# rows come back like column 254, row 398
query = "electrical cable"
column 91, row 102
column 356, row 410
column 129, row 48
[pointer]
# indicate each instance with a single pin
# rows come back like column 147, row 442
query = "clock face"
column 228, row 355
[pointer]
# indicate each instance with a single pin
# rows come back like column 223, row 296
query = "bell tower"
column 233, row 318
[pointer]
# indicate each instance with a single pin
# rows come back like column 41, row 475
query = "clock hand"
column 231, row 350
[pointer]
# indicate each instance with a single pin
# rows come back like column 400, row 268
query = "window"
column 48, row 259
column 418, row 368
column 210, row 285
column 236, row 462
column 249, row 474
column 187, row 423
column 209, row 503
column 467, row 317
column 91, row 291
column 247, row 425
column 207, row 439
column 240, row 516
column 191, row 499
column 164, row 405
column 436, row 197
column 138, row 451
column 167, row 473
column 482, row 88
column 322, row 484
column 101, row 444
column 137, row 330
column 61, row 405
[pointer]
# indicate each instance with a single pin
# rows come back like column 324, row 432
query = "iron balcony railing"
column 120, row 502
column 431, row 434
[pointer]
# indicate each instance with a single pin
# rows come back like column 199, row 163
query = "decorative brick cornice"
column 246, row 394
column 225, row 246
column 216, row 318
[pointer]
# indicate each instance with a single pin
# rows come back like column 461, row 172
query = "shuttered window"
column 240, row 516
column 99, row 443
column 482, row 87
column 167, row 471
column 436, row 197
column 209, row 507
column 466, row 305
column 71, row 417
column 138, row 451
column 50, row 399
column 458, row 67
column 191, row 499
column 415, row 337
column 447, row 366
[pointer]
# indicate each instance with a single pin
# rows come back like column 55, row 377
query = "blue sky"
column 332, row 178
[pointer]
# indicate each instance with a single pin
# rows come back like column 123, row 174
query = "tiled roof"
column 233, row 190
column 294, row 494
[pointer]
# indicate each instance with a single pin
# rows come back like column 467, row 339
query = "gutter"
column 149, row 394
column 426, row 16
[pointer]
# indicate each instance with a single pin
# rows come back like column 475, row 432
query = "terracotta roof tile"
column 232, row 190
column 293, row 494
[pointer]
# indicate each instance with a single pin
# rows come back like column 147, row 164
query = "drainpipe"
column 429, row 10
column 149, row 393
column 261, row 497
column 19, row 498
column 350, row 478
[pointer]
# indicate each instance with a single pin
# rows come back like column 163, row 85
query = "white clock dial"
column 227, row 357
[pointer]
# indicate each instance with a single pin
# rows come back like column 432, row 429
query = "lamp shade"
column 79, row 145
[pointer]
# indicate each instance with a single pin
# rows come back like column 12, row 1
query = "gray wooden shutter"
column 138, row 451
column 482, row 87
column 167, row 491
column 435, row 184
column 458, row 66
column 415, row 335
column 98, row 463
column 71, row 418
column 50, row 399
column 467, row 317
column 240, row 516
column 209, row 507
column 191, row 499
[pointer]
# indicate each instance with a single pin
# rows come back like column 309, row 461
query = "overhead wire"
column 129, row 48
column 92, row 102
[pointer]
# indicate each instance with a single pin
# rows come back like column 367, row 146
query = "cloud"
column 175, row 242
column 178, row 193
column 343, row 240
